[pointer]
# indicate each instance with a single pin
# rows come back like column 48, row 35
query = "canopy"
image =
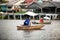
column 46, row 18
column 31, row 13
column 1, row 12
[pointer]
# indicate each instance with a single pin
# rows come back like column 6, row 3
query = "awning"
column 31, row 13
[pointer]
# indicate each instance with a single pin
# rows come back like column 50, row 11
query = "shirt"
column 27, row 21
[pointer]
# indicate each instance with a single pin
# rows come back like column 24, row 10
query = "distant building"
column 39, row 6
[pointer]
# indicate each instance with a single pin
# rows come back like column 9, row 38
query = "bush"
column 0, row 7
column 5, row 17
column 20, row 12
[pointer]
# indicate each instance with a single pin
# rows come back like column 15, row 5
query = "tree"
column 3, row 1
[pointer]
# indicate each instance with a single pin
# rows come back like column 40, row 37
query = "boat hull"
column 42, row 23
column 29, row 27
column 45, row 23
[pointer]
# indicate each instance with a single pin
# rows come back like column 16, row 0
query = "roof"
column 48, row 4
column 57, row 4
column 28, row 1
column 12, row 2
column 34, row 5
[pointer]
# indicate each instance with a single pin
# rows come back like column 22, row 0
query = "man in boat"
column 27, row 21
column 41, row 20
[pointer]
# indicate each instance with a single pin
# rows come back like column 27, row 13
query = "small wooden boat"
column 29, row 27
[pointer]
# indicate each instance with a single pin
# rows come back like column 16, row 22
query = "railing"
column 20, row 17
column 8, row 16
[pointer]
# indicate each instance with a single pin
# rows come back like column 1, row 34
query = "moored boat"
column 45, row 23
column 41, row 23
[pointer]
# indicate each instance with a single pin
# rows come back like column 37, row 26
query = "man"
column 41, row 20
column 27, row 21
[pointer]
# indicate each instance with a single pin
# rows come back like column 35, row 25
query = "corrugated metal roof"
column 48, row 4
column 57, row 4
column 34, row 5
column 28, row 0
column 11, row 2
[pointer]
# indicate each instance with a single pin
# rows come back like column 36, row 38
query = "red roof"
column 28, row 1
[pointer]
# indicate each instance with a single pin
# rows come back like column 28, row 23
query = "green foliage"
column 3, row 1
column 0, row 8
column 5, row 17
column 20, row 12
column 0, row 16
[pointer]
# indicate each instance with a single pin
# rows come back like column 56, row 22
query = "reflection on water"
column 8, row 31
column 27, row 35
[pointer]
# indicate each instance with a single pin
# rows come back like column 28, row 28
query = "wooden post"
column 14, row 16
column 41, row 10
column 55, row 10
column 8, row 16
column 20, row 17
column 39, row 16
column 2, row 16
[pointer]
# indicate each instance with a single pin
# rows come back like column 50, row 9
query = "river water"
column 8, row 31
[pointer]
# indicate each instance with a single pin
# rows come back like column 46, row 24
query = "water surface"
column 8, row 31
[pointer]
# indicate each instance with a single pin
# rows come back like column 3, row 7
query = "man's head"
column 28, row 17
